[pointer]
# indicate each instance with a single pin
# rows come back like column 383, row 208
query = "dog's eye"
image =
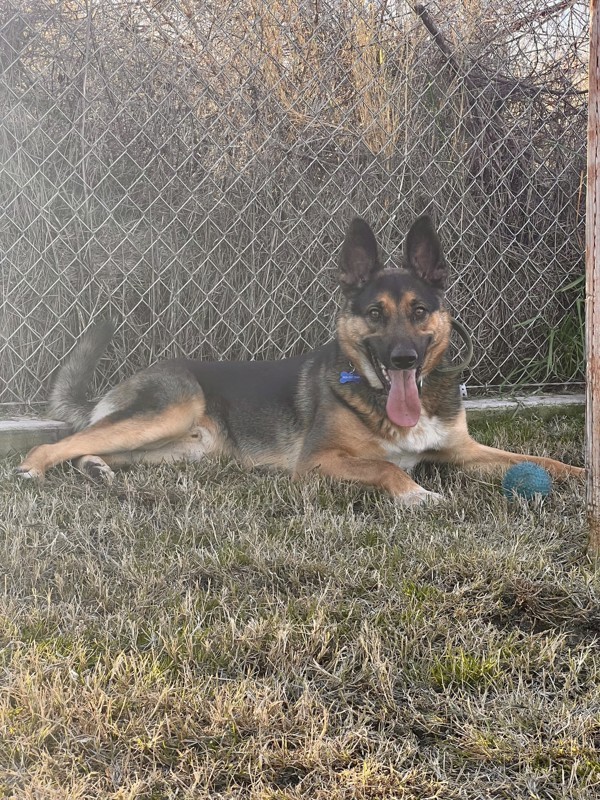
column 420, row 313
column 375, row 314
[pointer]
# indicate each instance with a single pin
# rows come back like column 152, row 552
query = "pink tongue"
column 403, row 404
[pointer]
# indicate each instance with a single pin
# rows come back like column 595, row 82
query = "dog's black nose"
column 403, row 358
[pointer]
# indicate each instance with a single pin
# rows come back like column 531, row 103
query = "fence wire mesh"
column 189, row 168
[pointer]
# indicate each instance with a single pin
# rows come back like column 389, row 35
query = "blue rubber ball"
column 526, row 480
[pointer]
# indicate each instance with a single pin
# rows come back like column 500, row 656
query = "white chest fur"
column 405, row 447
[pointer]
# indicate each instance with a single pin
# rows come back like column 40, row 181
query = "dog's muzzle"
column 401, row 382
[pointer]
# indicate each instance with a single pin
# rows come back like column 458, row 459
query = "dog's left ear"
column 359, row 259
column 423, row 252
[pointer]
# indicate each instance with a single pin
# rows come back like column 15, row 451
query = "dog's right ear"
column 359, row 259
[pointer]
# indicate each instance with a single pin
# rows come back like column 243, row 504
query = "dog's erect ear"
column 359, row 260
column 423, row 252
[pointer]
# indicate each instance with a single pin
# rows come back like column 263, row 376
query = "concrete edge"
column 542, row 405
column 20, row 435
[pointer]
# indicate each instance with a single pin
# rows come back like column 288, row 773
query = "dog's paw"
column 419, row 497
column 97, row 469
column 25, row 472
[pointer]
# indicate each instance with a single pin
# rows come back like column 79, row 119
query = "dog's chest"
column 405, row 447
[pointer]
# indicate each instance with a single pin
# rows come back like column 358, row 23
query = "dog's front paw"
column 418, row 497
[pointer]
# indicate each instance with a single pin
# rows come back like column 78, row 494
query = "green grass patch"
column 198, row 631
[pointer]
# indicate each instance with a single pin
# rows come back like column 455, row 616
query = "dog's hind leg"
column 95, row 467
column 117, row 436
column 193, row 446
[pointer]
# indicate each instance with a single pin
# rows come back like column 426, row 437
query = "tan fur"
column 439, row 326
column 351, row 332
column 464, row 451
column 406, row 305
column 379, row 474
column 387, row 303
column 351, row 453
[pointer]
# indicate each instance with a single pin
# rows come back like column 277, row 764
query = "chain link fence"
column 189, row 168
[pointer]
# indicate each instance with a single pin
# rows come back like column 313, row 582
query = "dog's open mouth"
column 403, row 405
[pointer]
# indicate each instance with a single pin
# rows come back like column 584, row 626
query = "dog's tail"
column 68, row 398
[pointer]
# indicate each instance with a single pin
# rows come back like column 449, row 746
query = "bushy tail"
column 68, row 398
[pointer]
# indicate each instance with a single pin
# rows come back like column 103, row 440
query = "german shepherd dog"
column 366, row 407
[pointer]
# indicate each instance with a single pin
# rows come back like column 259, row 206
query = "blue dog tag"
column 349, row 377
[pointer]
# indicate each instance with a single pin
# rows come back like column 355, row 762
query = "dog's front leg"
column 470, row 454
column 370, row 472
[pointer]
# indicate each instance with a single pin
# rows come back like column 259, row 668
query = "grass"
column 200, row 632
column 564, row 356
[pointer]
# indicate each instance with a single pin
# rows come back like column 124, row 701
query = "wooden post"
column 592, row 300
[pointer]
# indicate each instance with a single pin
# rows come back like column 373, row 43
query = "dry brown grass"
column 200, row 632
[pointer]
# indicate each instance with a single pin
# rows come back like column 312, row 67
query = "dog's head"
column 394, row 327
